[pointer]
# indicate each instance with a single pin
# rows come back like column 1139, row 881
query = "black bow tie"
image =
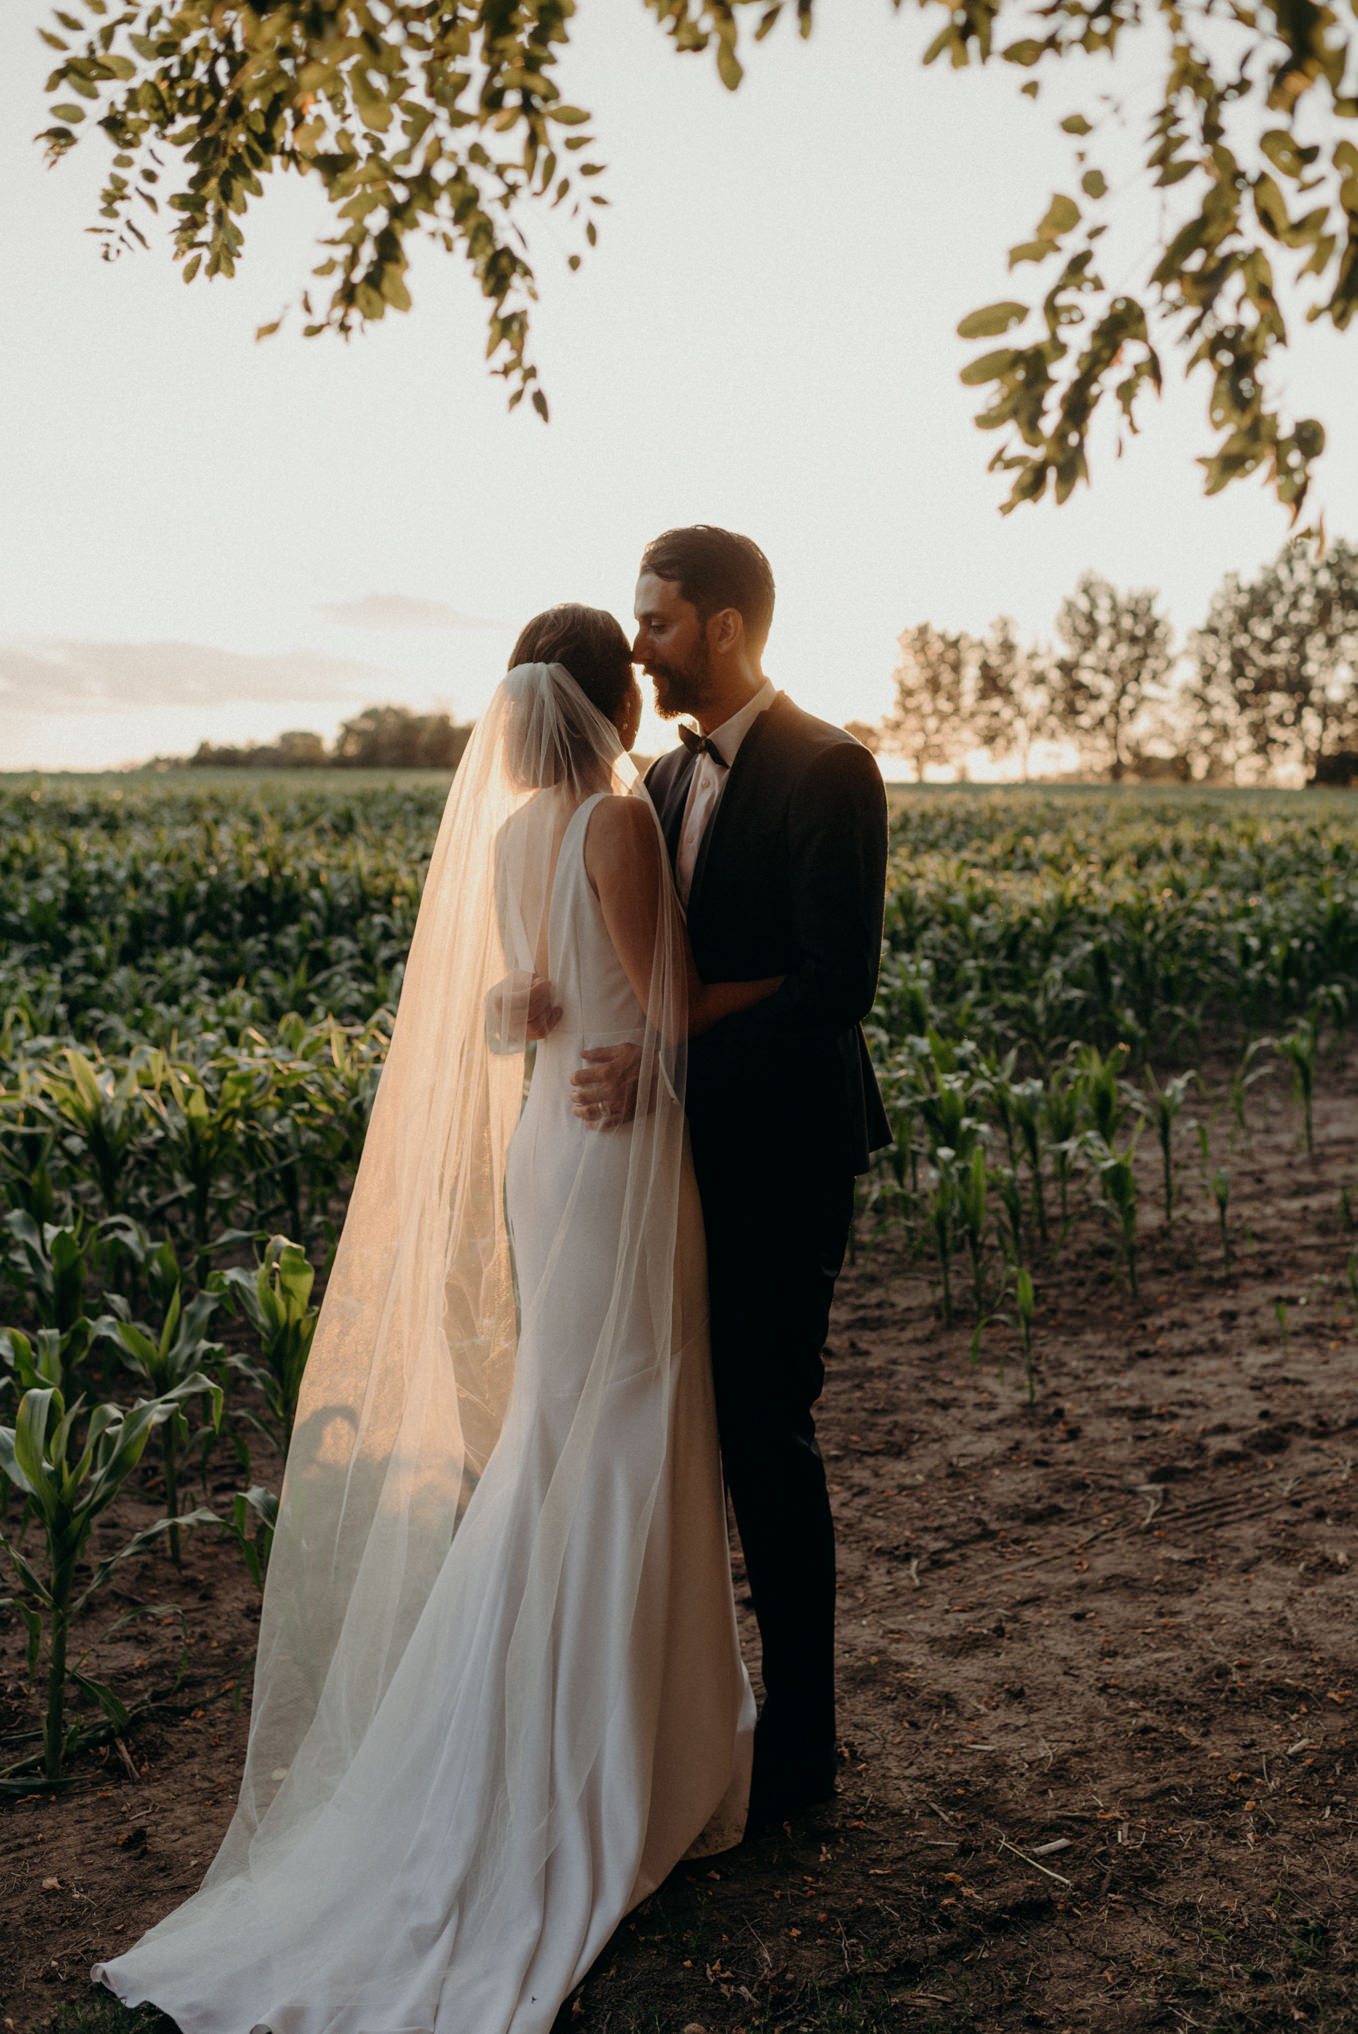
column 701, row 745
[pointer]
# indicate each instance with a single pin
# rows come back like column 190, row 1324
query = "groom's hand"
column 604, row 1088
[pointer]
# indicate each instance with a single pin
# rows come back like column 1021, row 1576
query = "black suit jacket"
column 790, row 880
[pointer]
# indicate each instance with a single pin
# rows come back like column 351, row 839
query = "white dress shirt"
column 709, row 781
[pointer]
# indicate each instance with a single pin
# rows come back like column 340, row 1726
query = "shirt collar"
column 728, row 737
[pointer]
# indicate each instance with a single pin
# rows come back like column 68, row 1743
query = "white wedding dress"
column 417, row 1898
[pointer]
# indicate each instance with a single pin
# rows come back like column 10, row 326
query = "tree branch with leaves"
column 443, row 119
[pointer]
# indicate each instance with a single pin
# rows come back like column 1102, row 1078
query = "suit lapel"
column 743, row 773
column 669, row 787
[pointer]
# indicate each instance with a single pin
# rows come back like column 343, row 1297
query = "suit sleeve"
column 837, row 854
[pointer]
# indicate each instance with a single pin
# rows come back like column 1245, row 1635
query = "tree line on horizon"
column 1266, row 687
column 379, row 738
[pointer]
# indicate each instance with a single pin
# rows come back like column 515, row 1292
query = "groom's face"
column 671, row 646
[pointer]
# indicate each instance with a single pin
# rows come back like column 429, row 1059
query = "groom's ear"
column 725, row 629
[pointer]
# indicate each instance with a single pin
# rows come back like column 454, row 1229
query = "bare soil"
column 1097, row 1665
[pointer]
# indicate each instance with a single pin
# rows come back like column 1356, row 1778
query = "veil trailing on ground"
column 424, row 1334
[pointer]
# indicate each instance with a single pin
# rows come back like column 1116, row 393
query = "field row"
column 198, row 987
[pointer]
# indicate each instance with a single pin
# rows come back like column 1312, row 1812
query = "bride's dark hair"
column 590, row 643
column 553, row 742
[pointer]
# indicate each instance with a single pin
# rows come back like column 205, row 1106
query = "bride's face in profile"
column 627, row 719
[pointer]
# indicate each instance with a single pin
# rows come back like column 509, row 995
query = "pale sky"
column 205, row 537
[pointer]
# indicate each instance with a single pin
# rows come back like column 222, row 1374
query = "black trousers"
column 775, row 1244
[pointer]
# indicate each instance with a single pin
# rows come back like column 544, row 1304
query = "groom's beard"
column 681, row 688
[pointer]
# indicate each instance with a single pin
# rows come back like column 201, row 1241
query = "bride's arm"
column 625, row 862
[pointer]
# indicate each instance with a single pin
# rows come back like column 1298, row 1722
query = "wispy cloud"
column 403, row 611
column 74, row 678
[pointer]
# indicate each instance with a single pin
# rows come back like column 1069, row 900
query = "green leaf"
column 116, row 1711
column 1094, row 184
column 30, row 1436
column 1062, row 217
column 729, row 68
column 31, row 1580
column 1075, row 123
column 68, row 112
column 567, row 116
column 994, row 319
column 990, row 366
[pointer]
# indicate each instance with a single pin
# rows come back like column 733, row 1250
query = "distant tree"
column 221, row 756
column 929, row 721
column 1276, row 662
column 868, row 732
column 300, row 749
column 442, row 742
column 1115, row 659
column 394, row 738
column 1012, row 704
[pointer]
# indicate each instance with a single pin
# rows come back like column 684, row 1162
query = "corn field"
column 1078, row 993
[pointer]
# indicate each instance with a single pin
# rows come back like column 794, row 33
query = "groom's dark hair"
column 715, row 569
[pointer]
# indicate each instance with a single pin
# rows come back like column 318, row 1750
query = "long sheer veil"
column 422, row 1332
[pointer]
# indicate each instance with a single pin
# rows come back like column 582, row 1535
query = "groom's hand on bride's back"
column 521, row 1007
column 604, row 1086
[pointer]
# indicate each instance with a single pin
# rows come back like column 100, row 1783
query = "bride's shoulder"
column 621, row 818
column 619, row 831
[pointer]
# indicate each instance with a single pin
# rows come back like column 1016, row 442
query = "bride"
column 498, row 1691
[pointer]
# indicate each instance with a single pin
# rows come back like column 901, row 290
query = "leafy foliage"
column 1276, row 662
column 1116, row 660
column 929, row 720
column 70, row 1473
column 443, row 119
column 1242, row 92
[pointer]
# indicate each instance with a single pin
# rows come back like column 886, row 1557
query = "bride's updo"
column 588, row 643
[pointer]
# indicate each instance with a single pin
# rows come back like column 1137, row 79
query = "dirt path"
column 1098, row 1663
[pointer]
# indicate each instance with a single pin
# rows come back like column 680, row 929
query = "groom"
column 776, row 826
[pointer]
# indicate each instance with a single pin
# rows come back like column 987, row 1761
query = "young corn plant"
column 1104, row 1095
column 70, row 1473
column 1221, row 1194
column 942, row 1216
column 171, row 1360
column 275, row 1300
column 1061, row 1117
column 1027, row 1099
column 55, row 1261
column 1251, row 1067
column 1024, row 1299
column 1298, row 1048
column 99, row 1112
column 1166, row 1106
column 1118, row 1179
column 254, row 1515
column 971, row 1202
column 204, row 1139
